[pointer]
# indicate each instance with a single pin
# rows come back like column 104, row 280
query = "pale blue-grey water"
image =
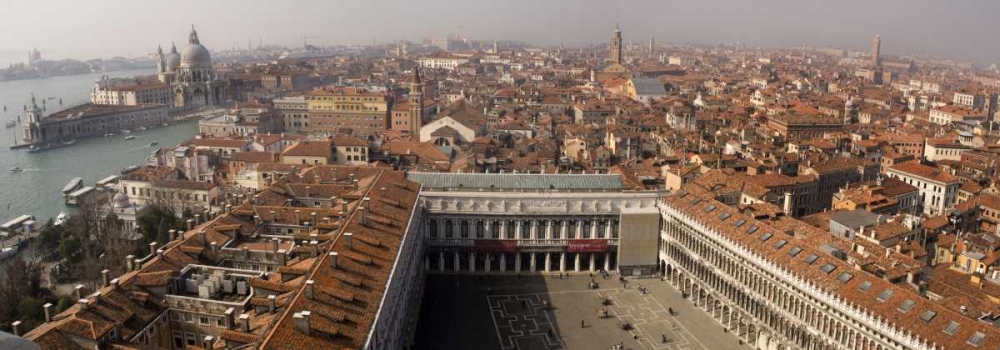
column 37, row 189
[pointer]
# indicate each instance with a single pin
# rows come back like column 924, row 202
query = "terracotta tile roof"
column 914, row 168
column 347, row 298
column 870, row 299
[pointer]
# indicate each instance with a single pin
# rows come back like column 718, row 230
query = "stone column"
column 517, row 262
column 562, row 262
column 532, row 263
column 427, row 263
column 503, row 262
column 472, row 261
column 488, row 257
column 578, row 230
column 548, row 260
column 576, row 262
column 503, row 229
column 607, row 262
column 517, row 229
column 562, row 230
column 458, row 266
column 593, row 261
column 593, row 229
column 440, row 261
column 534, row 229
column 548, row 230
column 486, row 229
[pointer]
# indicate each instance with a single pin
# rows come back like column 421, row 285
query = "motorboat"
column 69, row 142
column 16, row 170
column 10, row 124
column 154, row 143
column 61, row 219
column 130, row 137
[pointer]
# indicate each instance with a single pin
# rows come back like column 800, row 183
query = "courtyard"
column 539, row 312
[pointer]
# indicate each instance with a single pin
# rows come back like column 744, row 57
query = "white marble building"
column 529, row 223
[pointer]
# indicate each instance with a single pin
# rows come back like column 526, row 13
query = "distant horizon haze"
column 60, row 29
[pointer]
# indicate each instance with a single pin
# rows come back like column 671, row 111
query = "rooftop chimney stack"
column 355, row 184
column 16, row 328
column 197, row 219
column 152, row 248
column 343, row 206
column 274, row 244
column 104, row 277
column 333, row 259
column 245, row 323
column 128, row 262
column 312, row 218
column 48, row 311
column 298, row 217
column 271, row 303
column 173, row 233
column 301, row 320
column 78, row 291
column 229, row 317
column 348, row 240
column 309, row 288
column 229, row 208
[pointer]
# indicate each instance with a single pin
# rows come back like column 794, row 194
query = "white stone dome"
column 121, row 201
column 195, row 55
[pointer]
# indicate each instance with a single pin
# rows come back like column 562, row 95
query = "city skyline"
column 917, row 28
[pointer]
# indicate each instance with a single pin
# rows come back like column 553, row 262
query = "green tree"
column 163, row 231
column 64, row 303
column 30, row 309
column 69, row 248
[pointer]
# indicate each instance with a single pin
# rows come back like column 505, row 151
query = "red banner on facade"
column 587, row 245
column 494, row 246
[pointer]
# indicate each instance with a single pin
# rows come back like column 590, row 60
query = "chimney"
column 197, row 219
column 298, row 217
column 333, row 259
column 274, row 245
column 114, row 283
column 138, row 264
column 152, row 248
column 301, row 320
column 271, row 303
column 84, row 303
column 190, row 224
column 16, row 328
column 229, row 208
column 312, row 218
column 348, row 239
column 104, row 277
column 173, row 233
column 362, row 213
column 78, row 291
column 788, row 203
column 159, row 253
column 229, row 317
column 128, row 262
column 48, row 311
column 355, row 184
column 274, row 216
column 309, row 288
column 343, row 206
column 214, row 246
column 307, row 192
column 245, row 323
column 246, row 252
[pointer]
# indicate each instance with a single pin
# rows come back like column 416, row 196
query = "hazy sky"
column 962, row 29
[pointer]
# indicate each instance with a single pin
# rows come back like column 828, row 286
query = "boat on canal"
column 73, row 185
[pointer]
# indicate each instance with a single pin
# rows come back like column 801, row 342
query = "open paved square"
column 548, row 313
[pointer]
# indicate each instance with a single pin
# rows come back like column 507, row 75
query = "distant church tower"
column 651, row 43
column 876, row 51
column 616, row 46
column 416, row 100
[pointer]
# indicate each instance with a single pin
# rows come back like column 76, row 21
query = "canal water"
column 37, row 189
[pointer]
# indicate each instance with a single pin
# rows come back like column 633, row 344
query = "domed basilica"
column 190, row 74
